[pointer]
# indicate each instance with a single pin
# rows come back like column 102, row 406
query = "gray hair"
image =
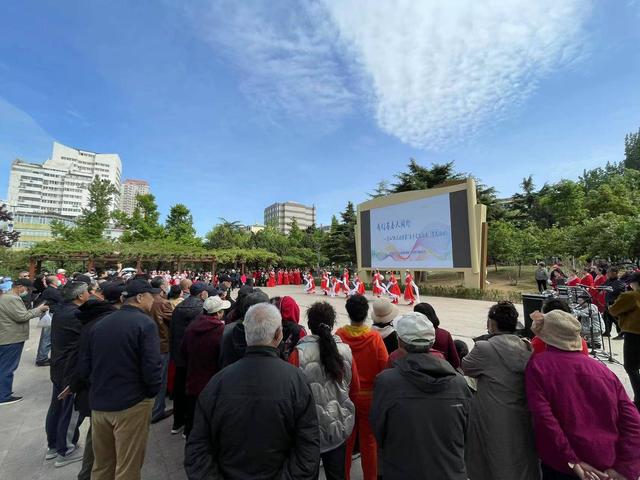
column 261, row 323
column 73, row 290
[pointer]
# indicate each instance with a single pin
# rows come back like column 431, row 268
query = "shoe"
column 73, row 457
column 606, row 334
column 162, row 416
column 51, row 454
column 176, row 429
column 619, row 337
column 44, row 363
column 11, row 400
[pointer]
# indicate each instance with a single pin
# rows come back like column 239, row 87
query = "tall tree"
column 632, row 150
column 295, row 234
column 179, row 225
column 419, row 178
column 143, row 224
column 7, row 237
column 381, row 190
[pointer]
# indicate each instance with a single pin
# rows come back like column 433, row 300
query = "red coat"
column 408, row 289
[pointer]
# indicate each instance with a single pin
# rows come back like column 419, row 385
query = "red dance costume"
column 408, row 289
column 377, row 289
column 361, row 289
column 324, row 284
column 272, row 280
column 345, row 282
column 311, row 288
column 394, row 289
column 286, row 277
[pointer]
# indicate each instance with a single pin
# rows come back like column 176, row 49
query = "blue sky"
column 230, row 106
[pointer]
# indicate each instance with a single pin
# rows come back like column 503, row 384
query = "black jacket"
column 617, row 287
column 255, row 420
column 51, row 296
column 419, row 416
column 65, row 333
column 122, row 360
column 186, row 311
column 233, row 345
column 89, row 314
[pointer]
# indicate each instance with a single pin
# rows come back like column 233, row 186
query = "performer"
column 393, row 289
column 345, row 282
column 586, row 280
column 359, row 285
column 296, row 276
column 325, row 284
column 280, row 277
column 310, row 283
column 285, row 277
column 411, row 292
column 272, row 279
column 573, row 279
column 377, row 284
column 599, row 281
column 337, row 287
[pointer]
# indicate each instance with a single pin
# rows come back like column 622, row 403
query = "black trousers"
column 542, row 285
column 179, row 396
column 609, row 321
column 631, row 355
column 549, row 473
column 333, row 462
column 189, row 413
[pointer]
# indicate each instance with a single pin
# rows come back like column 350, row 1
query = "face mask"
column 24, row 294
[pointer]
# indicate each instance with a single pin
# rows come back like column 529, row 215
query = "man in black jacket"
column 256, row 418
column 615, row 286
column 51, row 296
column 420, row 409
column 62, row 422
column 122, row 363
column 185, row 312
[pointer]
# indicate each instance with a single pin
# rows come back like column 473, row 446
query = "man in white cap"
column 420, row 409
column 585, row 424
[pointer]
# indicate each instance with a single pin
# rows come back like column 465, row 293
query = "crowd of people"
column 257, row 395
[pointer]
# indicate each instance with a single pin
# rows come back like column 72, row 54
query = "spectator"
column 370, row 356
column 590, row 319
column 500, row 443
column 329, row 367
column 63, row 422
column 123, row 364
column 233, row 314
column 422, row 403
column 234, row 343
column 292, row 332
column 52, row 297
column 185, row 287
column 444, row 341
column 161, row 312
column 257, row 417
column 187, row 311
column 585, row 425
column 542, row 277
column 201, row 352
column 175, row 295
column 615, row 288
column 548, row 306
column 14, row 331
column 384, row 312
column 627, row 309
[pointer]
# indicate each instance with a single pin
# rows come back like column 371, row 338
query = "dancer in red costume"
column 324, row 283
column 272, row 279
column 280, row 277
column 377, row 284
column 337, row 287
column 409, row 292
column 285, row 278
column 599, row 299
column 360, row 289
column 345, row 282
column 310, row 283
column 394, row 289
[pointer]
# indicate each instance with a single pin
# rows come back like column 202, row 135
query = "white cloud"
column 432, row 72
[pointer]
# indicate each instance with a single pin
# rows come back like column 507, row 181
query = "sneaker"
column 51, row 454
column 10, row 400
column 44, row 363
column 73, row 457
column 176, row 429
column 619, row 337
column 162, row 416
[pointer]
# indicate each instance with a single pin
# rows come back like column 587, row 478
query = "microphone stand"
column 610, row 358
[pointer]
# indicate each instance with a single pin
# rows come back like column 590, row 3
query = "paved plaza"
column 22, row 437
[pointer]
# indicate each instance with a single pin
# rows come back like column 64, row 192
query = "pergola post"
column 32, row 268
column 139, row 264
column 213, row 268
column 90, row 264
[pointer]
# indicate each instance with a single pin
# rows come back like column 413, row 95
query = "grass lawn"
column 503, row 279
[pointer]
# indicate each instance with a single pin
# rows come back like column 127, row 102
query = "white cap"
column 215, row 304
column 416, row 329
column 61, row 270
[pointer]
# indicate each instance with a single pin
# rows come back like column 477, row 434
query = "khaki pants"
column 119, row 442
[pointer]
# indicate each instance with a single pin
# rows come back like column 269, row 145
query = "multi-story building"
column 33, row 227
column 281, row 215
column 130, row 190
column 59, row 186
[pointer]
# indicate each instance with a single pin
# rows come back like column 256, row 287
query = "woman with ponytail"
column 329, row 366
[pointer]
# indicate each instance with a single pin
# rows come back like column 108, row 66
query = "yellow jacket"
column 627, row 309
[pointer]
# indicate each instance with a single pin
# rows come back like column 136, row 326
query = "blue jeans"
column 63, row 422
column 159, row 404
column 9, row 361
column 44, row 345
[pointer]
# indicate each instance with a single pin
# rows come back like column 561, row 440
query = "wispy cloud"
column 431, row 72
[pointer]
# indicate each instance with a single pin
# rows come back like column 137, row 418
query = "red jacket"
column 201, row 351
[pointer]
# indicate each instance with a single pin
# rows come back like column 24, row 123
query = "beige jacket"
column 14, row 319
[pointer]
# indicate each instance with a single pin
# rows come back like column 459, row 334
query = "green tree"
column 342, row 240
column 565, row 202
column 420, row 178
column 179, row 225
column 381, row 190
column 295, row 234
column 502, row 243
column 632, row 150
column 227, row 235
column 7, row 237
column 143, row 224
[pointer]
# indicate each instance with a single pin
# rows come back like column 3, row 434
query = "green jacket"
column 14, row 319
column 627, row 309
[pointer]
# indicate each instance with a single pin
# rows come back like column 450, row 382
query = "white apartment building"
column 282, row 214
column 60, row 185
column 130, row 190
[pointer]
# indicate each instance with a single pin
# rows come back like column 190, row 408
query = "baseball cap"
column 137, row 286
column 224, row 278
column 414, row 328
column 197, row 288
column 215, row 304
column 24, row 282
column 112, row 291
column 83, row 278
column 211, row 290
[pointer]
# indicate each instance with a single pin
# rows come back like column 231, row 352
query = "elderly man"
column 14, row 331
column 122, row 362
column 51, row 296
column 585, row 424
column 420, row 409
column 257, row 417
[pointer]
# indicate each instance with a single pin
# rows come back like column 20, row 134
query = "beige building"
column 282, row 214
column 130, row 190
